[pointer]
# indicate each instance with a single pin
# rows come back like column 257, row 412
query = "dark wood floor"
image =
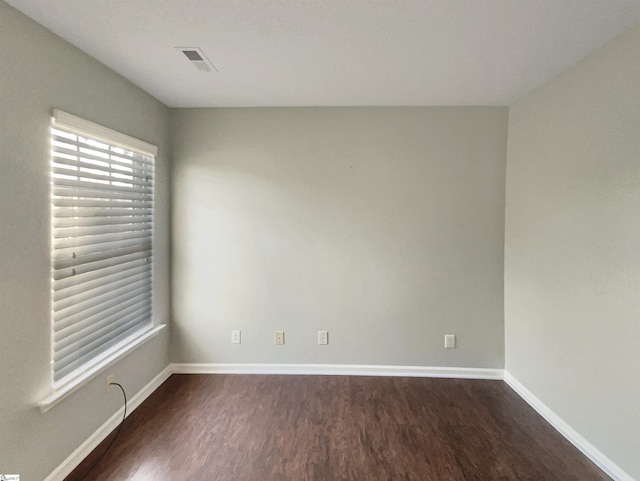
column 336, row 428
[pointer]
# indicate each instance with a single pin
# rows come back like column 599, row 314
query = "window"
column 102, row 244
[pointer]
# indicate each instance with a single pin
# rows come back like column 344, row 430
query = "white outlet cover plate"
column 236, row 337
column 323, row 337
column 450, row 341
column 278, row 337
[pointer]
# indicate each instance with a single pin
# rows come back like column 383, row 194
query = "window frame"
column 142, row 331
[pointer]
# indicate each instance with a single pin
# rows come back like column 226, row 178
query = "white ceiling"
column 337, row 52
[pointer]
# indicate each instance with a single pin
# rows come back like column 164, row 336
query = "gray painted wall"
column 384, row 226
column 572, row 263
column 39, row 71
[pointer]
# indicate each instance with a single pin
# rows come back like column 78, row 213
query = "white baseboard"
column 75, row 458
column 588, row 449
column 339, row 370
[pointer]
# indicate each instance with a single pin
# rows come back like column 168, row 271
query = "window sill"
column 59, row 393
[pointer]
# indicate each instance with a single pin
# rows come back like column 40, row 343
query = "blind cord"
column 124, row 394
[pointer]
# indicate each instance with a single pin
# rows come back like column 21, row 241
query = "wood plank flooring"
column 336, row 428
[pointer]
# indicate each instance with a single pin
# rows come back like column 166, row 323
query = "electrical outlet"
column 107, row 382
column 449, row 341
column 278, row 337
column 323, row 337
column 235, row 337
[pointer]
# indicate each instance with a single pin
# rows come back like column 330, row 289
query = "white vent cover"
column 196, row 56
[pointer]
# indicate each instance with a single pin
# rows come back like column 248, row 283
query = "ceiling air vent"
column 197, row 57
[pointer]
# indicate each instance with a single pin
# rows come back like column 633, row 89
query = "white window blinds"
column 102, row 223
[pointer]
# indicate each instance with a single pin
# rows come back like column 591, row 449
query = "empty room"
column 368, row 240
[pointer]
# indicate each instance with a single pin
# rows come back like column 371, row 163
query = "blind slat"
column 82, row 176
column 78, row 241
column 73, row 252
column 80, row 211
column 99, row 303
column 82, row 142
column 69, row 232
column 62, row 147
column 74, row 192
column 69, row 365
column 91, row 259
column 101, row 289
column 72, row 346
column 94, row 221
column 100, row 264
column 96, row 186
column 71, row 286
column 123, row 203
column 112, row 168
column 65, row 327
